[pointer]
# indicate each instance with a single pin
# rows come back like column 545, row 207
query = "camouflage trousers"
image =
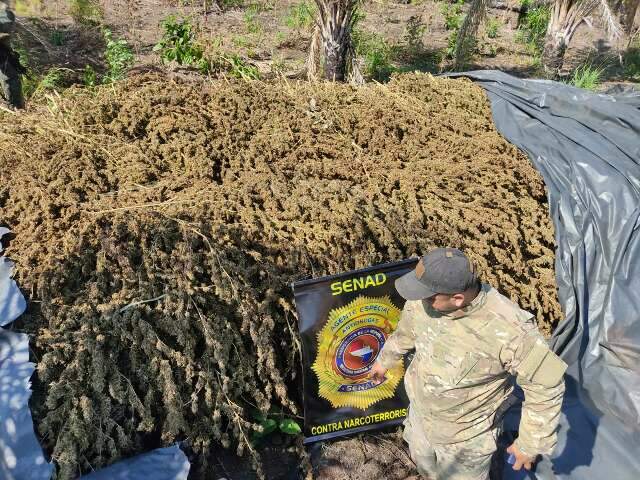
column 470, row 460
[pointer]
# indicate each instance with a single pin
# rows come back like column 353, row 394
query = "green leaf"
column 268, row 426
column 290, row 427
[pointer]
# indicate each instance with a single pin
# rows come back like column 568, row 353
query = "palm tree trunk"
column 553, row 54
column 335, row 58
column 566, row 15
column 335, row 22
column 629, row 14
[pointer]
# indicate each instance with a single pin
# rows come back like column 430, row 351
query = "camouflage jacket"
column 463, row 365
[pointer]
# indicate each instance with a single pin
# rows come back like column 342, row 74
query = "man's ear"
column 458, row 299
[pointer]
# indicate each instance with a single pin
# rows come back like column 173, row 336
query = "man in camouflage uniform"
column 10, row 68
column 469, row 342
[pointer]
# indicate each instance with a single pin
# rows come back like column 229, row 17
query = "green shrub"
column 631, row 62
column 178, row 44
column 533, row 27
column 493, row 25
column 452, row 40
column 89, row 76
column 414, row 32
column 452, row 14
column 301, row 15
column 52, row 80
column 587, row 76
column 85, row 12
column 118, row 55
column 375, row 51
column 239, row 68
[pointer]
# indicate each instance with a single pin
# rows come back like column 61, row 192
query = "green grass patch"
column 301, row 15
column 237, row 67
column 376, row 53
column 251, row 20
column 57, row 38
column 493, row 27
column 587, row 76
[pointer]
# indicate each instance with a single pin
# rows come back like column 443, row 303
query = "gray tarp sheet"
column 12, row 303
column 161, row 464
column 21, row 457
column 587, row 148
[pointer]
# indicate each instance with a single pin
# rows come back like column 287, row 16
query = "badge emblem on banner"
column 348, row 346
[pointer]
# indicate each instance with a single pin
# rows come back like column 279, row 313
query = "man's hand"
column 377, row 373
column 522, row 460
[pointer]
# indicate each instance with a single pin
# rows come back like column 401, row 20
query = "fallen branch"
column 140, row 302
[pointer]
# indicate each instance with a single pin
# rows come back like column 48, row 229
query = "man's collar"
column 475, row 304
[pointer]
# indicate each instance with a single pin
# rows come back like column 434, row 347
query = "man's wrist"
column 529, row 453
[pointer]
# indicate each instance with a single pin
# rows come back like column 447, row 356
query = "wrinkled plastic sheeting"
column 587, row 148
column 12, row 303
column 21, row 456
column 162, row 464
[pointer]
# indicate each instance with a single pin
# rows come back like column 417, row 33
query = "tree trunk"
column 629, row 14
column 335, row 58
column 335, row 19
column 566, row 15
column 553, row 53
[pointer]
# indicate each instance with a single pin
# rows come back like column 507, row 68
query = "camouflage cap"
column 443, row 270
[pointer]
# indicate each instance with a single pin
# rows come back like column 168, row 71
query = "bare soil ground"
column 276, row 48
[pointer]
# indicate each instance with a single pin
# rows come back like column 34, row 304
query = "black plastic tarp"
column 587, row 148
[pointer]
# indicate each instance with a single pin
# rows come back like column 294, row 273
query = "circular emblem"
column 348, row 346
column 358, row 351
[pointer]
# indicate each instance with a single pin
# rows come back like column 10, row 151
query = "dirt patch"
column 158, row 226
column 383, row 455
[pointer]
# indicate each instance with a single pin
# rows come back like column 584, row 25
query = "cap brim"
column 410, row 288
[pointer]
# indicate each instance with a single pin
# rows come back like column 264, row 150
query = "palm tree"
column 566, row 16
column 333, row 30
column 629, row 15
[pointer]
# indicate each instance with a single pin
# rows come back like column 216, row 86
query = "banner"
column 344, row 322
